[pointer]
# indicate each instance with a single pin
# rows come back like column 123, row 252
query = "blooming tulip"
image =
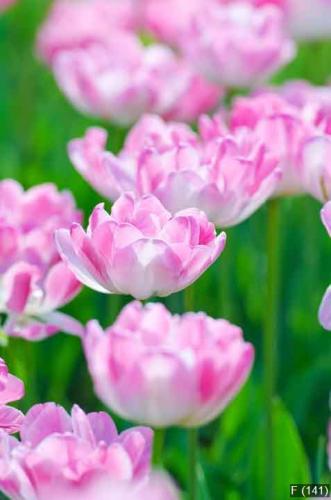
column 140, row 249
column 73, row 24
column 297, row 134
column 71, row 456
column 252, row 45
column 227, row 175
column 105, row 70
column 33, row 280
column 11, row 389
column 167, row 370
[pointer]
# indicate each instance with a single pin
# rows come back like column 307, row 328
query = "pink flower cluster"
column 105, row 69
column 167, row 370
column 77, row 456
column 226, row 174
column 140, row 248
column 34, row 282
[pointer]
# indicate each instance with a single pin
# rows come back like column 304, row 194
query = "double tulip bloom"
column 140, row 249
column 238, row 44
column 105, row 70
column 295, row 126
column 226, row 174
column 164, row 370
column 34, row 282
column 11, row 389
column 76, row 456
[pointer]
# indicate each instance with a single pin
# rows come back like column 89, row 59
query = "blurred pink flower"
column 105, row 70
column 62, row 456
column 4, row 4
column 227, row 175
column 252, row 45
column 33, row 280
column 77, row 23
column 167, row 20
column 167, row 370
column 140, row 249
column 297, row 133
column 122, row 79
column 11, row 389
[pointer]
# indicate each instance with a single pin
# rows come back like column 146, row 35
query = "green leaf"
column 291, row 463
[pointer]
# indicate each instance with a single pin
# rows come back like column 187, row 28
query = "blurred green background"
column 36, row 123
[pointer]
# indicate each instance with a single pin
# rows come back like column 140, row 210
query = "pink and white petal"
column 103, row 427
column 43, row 420
column 326, row 217
column 324, row 313
column 11, row 419
column 138, row 443
column 69, row 254
column 146, row 268
column 13, row 390
column 61, row 286
column 18, row 283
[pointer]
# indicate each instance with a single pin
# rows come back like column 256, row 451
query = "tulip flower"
column 33, row 280
column 167, row 370
column 105, row 70
column 140, row 249
column 71, row 457
column 11, row 389
column 227, row 175
column 72, row 24
column 253, row 44
column 296, row 130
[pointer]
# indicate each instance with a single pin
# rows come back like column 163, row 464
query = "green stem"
column 270, row 339
column 192, row 434
column 159, row 438
column 193, row 446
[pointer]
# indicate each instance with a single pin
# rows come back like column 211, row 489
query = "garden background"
column 36, row 122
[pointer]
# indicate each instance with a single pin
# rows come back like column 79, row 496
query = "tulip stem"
column 193, row 445
column 270, row 339
column 159, row 438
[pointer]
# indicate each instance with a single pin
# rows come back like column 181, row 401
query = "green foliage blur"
column 36, row 123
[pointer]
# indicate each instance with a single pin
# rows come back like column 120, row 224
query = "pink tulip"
column 227, row 175
column 76, row 24
column 140, row 249
column 62, row 456
column 121, row 79
column 33, row 280
column 105, row 70
column 253, row 44
column 296, row 133
column 11, row 389
column 165, row 370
